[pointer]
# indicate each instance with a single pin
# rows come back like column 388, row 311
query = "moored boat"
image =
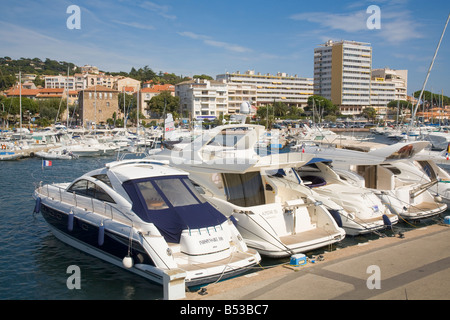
column 148, row 218
column 379, row 170
column 274, row 218
column 363, row 211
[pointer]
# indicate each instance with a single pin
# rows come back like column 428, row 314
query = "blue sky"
column 213, row 37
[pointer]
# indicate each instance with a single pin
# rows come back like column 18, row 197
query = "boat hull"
column 113, row 247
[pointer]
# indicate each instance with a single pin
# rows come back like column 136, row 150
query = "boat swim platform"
column 415, row 266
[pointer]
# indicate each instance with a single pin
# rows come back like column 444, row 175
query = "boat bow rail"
column 103, row 208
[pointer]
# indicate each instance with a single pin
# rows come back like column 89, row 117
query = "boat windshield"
column 172, row 204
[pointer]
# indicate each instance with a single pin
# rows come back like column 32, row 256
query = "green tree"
column 52, row 109
column 433, row 98
column 280, row 109
column 370, row 113
column 39, row 82
column 396, row 108
column 127, row 103
column 203, row 76
column 164, row 102
column 295, row 112
column 12, row 105
column 265, row 113
column 321, row 106
column 398, row 103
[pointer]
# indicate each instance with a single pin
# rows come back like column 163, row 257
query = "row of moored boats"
column 213, row 207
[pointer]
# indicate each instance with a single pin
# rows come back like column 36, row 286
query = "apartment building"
column 398, row 77
column 292, row 90
column 60, row 82
column 203, row 99
column 342, row 73
column 381, row 93
column 119, row 83
column 239, row 93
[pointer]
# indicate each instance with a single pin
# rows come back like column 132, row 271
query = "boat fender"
column 387, row 221
column 70, row 218
column 127, row 262
column 438, row 198
column 37, row 207
column 101, row 234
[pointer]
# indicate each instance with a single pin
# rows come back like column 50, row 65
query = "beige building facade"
column 265, row 89
column 397, row 77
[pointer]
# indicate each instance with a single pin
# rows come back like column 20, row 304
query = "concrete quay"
column 413, row 267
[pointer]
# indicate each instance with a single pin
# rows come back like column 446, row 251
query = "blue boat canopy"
column 172, row 204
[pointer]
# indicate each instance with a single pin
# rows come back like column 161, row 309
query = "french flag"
column 46, row 163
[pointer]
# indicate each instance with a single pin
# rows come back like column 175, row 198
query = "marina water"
column 34, row 264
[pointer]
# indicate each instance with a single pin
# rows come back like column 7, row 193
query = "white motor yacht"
column 429, row 174
column 60, row 153
column 274, row 218
column 147, row 217
column 378, row 170
column 363, row 211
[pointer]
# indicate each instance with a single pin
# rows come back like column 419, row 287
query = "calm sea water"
column 34, row 263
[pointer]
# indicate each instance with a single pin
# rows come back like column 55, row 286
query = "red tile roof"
column 15, row 92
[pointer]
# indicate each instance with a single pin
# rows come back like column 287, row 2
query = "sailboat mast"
column 137, row 114
column 429, row 71
column 67, row 97
column 124, row 110
column 20, row 102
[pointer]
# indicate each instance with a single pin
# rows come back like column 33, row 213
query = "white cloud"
column 214, row 43
column 353, row 22
column 397, row 24
column 135, row 25
column 161, row 10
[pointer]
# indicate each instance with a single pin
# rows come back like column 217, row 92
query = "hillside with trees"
column 10, row 67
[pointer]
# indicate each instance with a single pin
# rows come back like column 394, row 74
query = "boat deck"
column 426, row 206
column 306, row 236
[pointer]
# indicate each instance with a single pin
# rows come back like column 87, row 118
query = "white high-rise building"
column 342, row 74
